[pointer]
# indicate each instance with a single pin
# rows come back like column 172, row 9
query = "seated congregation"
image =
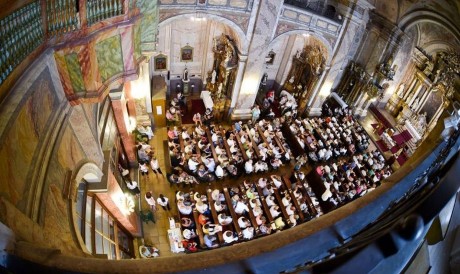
column 328, row 164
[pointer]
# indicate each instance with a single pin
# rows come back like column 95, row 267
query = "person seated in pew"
column 286, row 199
column 240, row 207
column 264, row 228
column 193, row 163
column 203, row 219
column 248, row 233
column 257, row 211
column 201, row 207
column 262, row 183
column 268, row 190
column 229, row 237
column 223, row 219
column 248, row 167
column 189, row 234
column 149, row 252
column 274, row 211
column 290, row 210
column 250, row 193
column 293, row 219
column 275, row 163
column 279, row 223
column 219, row 206
column 219, row 172
column 232, row 169
column 211, row 229
column 210, row 241
column 243, row 222
column 276, row 179
column 260, row 166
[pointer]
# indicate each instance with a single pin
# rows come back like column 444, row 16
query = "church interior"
column 229, row 136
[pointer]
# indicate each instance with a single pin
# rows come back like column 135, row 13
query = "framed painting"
column 160, row 62
column 186, row 54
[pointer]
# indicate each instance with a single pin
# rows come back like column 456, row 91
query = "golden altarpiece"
column 429, row 87
column 306, row 69
column 221, row 79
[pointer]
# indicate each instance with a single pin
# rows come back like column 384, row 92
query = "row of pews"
column 286, row 189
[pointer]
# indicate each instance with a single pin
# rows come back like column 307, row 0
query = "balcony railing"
column 20, row 33
column 23, row 30
column 97, row 10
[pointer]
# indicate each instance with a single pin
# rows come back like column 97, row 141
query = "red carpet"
column 401, row 159
column 380, row 116
column 197, row 106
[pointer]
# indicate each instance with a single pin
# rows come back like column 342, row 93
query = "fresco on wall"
column 76, row 78
column 109, row 57
column 19, row 145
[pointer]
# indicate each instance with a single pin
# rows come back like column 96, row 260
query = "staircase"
column 411, row 144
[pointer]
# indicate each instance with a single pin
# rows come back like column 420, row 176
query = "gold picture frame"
column 161, row 62
column 186, row 54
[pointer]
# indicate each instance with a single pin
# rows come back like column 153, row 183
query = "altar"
column 207, row 100
column 412, row 130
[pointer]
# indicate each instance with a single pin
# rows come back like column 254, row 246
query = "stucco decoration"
column 76, row 78
column 109, row 57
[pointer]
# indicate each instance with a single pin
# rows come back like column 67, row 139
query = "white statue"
column 292, row 79
column 421, row 122
column 219, row 90
column 401, row 90
column 214, row 74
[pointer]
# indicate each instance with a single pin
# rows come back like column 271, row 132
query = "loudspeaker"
column 169, row 75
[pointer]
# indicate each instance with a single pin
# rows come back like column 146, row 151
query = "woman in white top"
column 150, row 200
column 274, row 211
column 155, row 166
column 270, row 200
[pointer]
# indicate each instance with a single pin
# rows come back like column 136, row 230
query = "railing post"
column 44, row 19
column 82, row 13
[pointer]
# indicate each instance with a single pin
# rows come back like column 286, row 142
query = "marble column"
column 239, row 76
column 417, row 89
column 411, row 87
column 121, row 116
column 265, row 22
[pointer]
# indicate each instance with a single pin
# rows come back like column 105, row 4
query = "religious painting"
column 186, row 54
column 160, row 62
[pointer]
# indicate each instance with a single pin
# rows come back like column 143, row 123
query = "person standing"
column 155, row 166
column 255, row 113
column 150, row 201
column 164, row 202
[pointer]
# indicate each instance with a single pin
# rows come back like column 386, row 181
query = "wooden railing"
column 25, row 28
column 20, row 33
column 98, row 10
column 61, row 16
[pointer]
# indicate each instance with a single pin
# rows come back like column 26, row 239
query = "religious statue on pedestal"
column 185, row 75
column 214, row 74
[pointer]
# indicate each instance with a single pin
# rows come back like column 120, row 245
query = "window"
column 98, row 228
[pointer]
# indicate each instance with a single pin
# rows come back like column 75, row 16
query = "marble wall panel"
column 149, row 23
column 304, row 18
column 238, row 3
column 217, row 2
column 290, row 14
column 73, row 67
column 109, row 57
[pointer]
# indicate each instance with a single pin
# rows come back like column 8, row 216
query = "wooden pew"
column 308, row 199
column 226, row 146
column 240, row 146
column 280, row 204
column 291, row 140
column 251, row 214
column 213, row 149
column 265, row 206
column 261, row 134
column 280, row 145
column 199, row 230
column 181, row 142
column 232, row 212
column 254, row 145
column 293, row 198
column 214, row 214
